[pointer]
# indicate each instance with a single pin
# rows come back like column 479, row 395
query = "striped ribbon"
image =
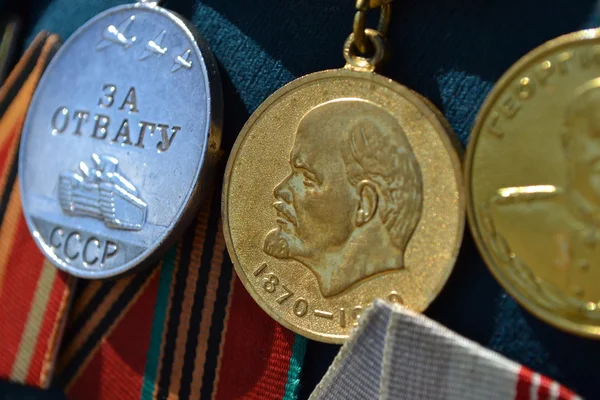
column 33, row 294
column 183, row 329
column 399, row 354
column 533, row 386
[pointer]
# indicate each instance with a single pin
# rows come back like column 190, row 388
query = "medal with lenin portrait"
column 343, row 187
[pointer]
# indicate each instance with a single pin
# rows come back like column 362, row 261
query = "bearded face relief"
column 353, row 197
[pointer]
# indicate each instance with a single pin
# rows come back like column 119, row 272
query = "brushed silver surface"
column 120, row 140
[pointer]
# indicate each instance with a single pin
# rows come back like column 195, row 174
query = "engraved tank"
column 102, row 192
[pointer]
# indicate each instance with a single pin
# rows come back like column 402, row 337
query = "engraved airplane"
column 154, row 47
column 182, row 61
column 116, row 35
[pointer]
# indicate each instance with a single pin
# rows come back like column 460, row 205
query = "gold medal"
column 343, row 187
column 533, row 174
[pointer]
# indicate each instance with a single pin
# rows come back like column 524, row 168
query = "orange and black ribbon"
column 184, row 329
column 34, row 296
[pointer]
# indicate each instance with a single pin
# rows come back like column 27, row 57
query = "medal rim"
column 443, row 131
column 203, row 177
column 556, row 320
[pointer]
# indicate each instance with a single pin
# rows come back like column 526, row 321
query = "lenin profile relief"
column 352, row 198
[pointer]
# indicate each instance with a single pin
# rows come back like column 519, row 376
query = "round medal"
column 120, row 140
column 533, row 175
column 342, row 187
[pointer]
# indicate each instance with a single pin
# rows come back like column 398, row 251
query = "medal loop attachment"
column 361, row 41
column 360, row 63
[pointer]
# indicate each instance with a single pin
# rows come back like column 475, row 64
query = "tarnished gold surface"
column 533, row 176
column 342, row 187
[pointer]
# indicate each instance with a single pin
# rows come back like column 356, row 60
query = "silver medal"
column 120, row 140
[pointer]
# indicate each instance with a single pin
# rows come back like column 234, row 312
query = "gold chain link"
column 361, row 40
